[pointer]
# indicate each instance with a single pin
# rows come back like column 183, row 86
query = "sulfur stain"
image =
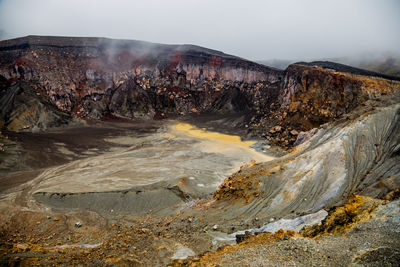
column 193, row 131
column 344, row 218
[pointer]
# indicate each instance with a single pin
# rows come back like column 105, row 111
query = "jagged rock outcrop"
column 95, row 77
column 91, row 77
column 24, row 107
column 315, row 93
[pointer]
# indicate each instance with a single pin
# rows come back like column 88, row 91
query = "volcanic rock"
column 93, row 77
column 98, row 77
column 23, row 107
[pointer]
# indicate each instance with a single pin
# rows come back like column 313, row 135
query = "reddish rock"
column 97, row 77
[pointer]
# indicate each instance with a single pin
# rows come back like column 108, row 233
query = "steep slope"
column 359, row 155
column 24, row 106
column 96, row 77
column 315, row 93
column 91, row 77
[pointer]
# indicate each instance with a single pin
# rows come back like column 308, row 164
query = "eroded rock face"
column 23, row 107
column 92, row 77
column 313, row 94
column 359, row 155
column 95, row 77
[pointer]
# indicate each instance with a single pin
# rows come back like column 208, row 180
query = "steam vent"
column 130, row 153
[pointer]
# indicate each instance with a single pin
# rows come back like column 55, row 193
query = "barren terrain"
column 118, row 152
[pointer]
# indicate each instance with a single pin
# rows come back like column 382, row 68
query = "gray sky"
column 253, row 29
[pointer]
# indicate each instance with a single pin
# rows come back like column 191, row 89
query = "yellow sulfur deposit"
column 193, row 131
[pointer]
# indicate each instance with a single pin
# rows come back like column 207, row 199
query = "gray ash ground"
column 36, row 234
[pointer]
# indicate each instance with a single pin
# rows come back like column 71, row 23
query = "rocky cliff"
column 96, row 77
column 315, row 93
column 92, row 77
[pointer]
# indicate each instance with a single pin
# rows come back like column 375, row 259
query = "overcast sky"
column 253, row 29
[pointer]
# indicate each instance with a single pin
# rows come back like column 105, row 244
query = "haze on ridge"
column 256, row 29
